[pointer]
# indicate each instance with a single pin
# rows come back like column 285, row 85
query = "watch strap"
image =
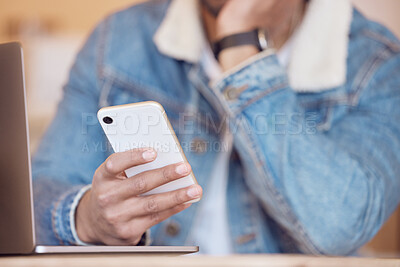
column 239, row 39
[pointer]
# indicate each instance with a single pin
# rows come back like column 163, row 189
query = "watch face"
column 263, row 40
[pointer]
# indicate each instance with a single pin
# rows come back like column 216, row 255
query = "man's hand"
column 241, row 16
column 114, row 213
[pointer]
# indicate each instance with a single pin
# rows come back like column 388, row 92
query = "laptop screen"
column 16, row 222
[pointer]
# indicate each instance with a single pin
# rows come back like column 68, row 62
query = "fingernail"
column 149, row 155
column 193, row 192
column 181, row 169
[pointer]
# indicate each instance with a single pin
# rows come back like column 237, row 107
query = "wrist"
column 226, row 27
column 236, row 48
column 232, row 57
column 82, row 221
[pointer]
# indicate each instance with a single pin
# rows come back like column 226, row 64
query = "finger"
column 148, row 180
column 149, row 221
column 143, row 206
column 119, row 162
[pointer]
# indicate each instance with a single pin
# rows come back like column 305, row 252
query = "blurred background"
column 53, row 31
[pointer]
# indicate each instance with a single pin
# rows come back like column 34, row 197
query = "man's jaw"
column 214, row 6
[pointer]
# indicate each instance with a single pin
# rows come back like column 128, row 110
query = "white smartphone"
column 140, row 125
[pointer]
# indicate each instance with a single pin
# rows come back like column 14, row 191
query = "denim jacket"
column 314, row 171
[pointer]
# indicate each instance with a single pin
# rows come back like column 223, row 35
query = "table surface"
column 122, row 260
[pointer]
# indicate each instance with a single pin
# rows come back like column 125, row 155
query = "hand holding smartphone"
column 117, row 210
column 143, row 125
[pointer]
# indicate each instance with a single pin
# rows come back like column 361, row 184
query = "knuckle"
column 124, row 233
column 151, row 206
column 112, row 218
column 166, row 175
column 104, row 200
column 109, row 165
column 178, row 198
column 133, row 154
column 155, row 217
column 139, row 184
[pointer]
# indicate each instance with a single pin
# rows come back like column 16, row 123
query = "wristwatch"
column 258, row 38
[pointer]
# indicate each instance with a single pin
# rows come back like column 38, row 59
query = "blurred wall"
column 80, row 16
column 51, row 32
column 69, row 16
column 384, row 11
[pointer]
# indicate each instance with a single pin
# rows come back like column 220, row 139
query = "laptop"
column 17, row 230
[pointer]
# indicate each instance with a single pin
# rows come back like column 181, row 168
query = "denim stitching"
column 56, row 226
column 140, row 89
column 331, row 102
column 243, row 67
column 286, row 211
column 325, row 125
column 54, row 223
column 394, row 46
column 263, row 94
column 104, row 93
column 208, row 94
column 371, row 67
column 100, row 62
column 102, row 47
column 59, row 228
column 376, row 62
column 255, row 209
column 307, row 244
column 109, row 75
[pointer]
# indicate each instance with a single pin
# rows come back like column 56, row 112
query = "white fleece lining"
column 181, row 33
column 319, row 54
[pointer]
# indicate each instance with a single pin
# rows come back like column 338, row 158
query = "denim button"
column 245, row 238
column 172, row 229
column 232, row 93
column 198, row 145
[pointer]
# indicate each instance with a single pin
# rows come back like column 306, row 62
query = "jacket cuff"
column 72, row 213
column 250, row 81
column 61, row 216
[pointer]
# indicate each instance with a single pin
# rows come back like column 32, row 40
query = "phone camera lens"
column 107, row 120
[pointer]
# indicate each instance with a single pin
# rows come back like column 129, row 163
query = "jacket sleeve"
column 330, row 189
column 70, row 151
